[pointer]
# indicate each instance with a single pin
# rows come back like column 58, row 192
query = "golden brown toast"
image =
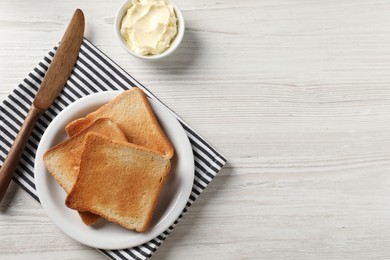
column 132, row 112
column 119, row 181
column 63, row 160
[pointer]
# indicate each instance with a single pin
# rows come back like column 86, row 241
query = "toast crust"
column 126, row 189
column 132, row 112
column 63, row 160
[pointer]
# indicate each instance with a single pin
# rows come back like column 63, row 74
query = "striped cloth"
column 93, row 72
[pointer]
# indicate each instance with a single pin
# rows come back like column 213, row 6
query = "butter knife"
column 52, row 84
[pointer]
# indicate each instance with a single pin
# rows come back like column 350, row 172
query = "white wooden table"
column 295, row 93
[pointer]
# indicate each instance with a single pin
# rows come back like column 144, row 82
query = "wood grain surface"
column 295, row 93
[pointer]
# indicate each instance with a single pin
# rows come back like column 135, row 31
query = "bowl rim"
column 175, row 43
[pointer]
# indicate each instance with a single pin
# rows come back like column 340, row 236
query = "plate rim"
column 143, row 237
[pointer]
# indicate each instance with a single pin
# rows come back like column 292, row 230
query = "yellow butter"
column 149, row 26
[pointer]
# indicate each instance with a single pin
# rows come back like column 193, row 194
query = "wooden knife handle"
column 11, row 161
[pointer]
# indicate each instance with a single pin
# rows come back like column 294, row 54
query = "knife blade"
column 56, row 76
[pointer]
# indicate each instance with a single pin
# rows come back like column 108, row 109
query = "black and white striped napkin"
column 93, row 72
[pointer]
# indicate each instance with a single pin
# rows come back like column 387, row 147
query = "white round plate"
column 103, row 234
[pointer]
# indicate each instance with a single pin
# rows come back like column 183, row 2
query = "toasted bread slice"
column 63, row 160
column 132, row 112
column 119, row 181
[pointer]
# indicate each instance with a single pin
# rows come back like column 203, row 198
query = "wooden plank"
column 296, row 95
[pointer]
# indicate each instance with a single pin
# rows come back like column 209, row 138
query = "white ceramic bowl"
column 175, row 43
